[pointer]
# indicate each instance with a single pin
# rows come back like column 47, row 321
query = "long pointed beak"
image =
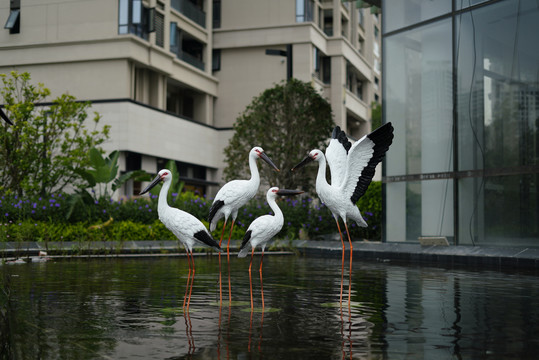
column 287, row 192
column 303, row 162
column 152, row 184
column 265, row 157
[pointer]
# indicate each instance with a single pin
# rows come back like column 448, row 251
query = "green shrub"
column 44, row 218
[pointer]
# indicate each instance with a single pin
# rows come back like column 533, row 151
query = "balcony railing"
column 190, row 59
column 190, row 10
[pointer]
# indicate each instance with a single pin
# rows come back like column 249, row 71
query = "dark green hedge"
column 44, row 218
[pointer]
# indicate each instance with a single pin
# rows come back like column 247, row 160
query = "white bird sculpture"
column 187, row 228
column 262, row 230
column 231, row 197
column 352, row 167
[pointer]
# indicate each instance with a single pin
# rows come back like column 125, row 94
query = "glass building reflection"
column 461, row 88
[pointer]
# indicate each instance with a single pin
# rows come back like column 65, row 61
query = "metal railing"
column 190, row 10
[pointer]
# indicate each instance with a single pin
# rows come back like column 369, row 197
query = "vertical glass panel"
column 401, row 13
column 504, row 210
column 498, row 86
column 419, row 208
column 418, row 95
column 137, row 11
column 498, row 108
column 123, row 17
column 300, row 10
column 462, row 4
column 174, row 39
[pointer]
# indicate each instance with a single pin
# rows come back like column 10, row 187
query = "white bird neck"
column 162, row 203
column 276, row 209
column 321, row 181
column 255, row 175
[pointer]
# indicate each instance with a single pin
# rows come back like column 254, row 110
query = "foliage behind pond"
column 43, row 218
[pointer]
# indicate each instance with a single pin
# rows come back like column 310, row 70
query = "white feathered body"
column 352, row 167
column 182, row 224
column 235, row 194
column 187, row 228
column 263, row 228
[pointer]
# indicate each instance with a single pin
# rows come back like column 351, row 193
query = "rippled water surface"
column 132, row 308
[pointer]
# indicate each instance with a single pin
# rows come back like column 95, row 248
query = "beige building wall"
column 74, row 46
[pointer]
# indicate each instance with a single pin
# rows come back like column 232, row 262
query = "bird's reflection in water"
column 189, row 333
column 259, row 346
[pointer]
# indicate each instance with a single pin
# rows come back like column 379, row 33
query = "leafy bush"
column 44, row 218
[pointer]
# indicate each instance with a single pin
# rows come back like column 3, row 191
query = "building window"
column 133, row 162
column 159, row 19
column 216, row 14
column 181, row 100
column 186, row 47
column 406, row 12
column 326, row 70
column 304, row 10
column 193, row 9
column 13, row 22
column 328, row 22
column 216, row 60
column 135, row 18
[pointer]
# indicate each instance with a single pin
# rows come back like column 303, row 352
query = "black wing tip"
column 246, row 239
column 214, row 208
column 340, row 135
column 335, row 132
column 382, row 139
column 206, row 238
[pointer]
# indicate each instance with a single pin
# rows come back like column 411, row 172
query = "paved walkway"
column 499, row 257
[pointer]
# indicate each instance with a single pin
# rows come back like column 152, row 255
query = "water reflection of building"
column 460, row 86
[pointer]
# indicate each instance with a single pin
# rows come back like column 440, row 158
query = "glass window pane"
column 462, row 4
column 300, row 10
column 500, row 210
column 123, row 13
column 137, row 11
column 498, row 86
column 401, row 13
column 419, row 99
column 419, row 208
column 12, row 19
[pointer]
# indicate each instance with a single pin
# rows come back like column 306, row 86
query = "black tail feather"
column 206, row 238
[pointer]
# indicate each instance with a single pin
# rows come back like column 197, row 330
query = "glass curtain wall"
column 419, row 103
column 461, row 88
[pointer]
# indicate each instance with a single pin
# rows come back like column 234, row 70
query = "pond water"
column 131, row 308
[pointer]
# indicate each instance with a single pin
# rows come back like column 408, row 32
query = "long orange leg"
column 342, row 262
column 250, row 279
column 228, row 262
column 220, row 283
column 188, row 281
column 261, row 285
column 350, row 276
column 192, row 280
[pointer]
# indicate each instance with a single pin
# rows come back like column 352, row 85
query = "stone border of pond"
column 486, row 256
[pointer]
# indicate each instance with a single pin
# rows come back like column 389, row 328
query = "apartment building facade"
column 171, row 77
